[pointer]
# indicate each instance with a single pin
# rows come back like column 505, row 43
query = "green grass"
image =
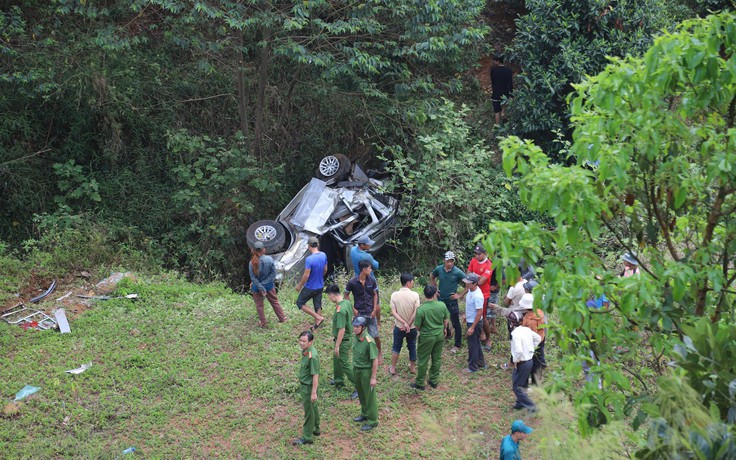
column 183, row 372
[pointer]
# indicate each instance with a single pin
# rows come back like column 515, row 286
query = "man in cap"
column 404, row 304
column 631, row 265
column 449, row 277
column 341, row 366
column 523, row 343
column 308, row 383
column 365, row 367
column 312, row 282
column 431, row 321
column 482, row 266
column 473, row 317
column 365, row 292
column 510, row 443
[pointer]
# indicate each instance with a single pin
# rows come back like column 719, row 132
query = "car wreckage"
column 340, row 205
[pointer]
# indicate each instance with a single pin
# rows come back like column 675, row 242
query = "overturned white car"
column 339, row 206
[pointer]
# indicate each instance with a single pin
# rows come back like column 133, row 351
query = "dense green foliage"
column 190, row 120
column 654, row 147
column 560, row 42
column 451, row 186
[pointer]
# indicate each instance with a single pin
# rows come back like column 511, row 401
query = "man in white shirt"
column 474, row 318
column 523, row 343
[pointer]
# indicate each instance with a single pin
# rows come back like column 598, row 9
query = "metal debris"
column 48, row 291
column 26, row 317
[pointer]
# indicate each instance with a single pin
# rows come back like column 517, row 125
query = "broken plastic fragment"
column 80, row 369
column 26, row 391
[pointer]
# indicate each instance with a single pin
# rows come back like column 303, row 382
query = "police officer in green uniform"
column 308, row 383
column 343, row 317
column 365, row 364
column 431, row 320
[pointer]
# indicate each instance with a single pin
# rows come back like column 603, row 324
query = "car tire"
column 269, row 232
column 333, row 167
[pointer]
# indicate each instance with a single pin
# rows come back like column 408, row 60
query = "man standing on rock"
column 312, row 282
column 432, row 318
column 449, row 277
column 308, row 384
column 365, row 368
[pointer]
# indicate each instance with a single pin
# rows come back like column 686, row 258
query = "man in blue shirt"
column 510, row 443
column 312, row 282
column 360, row 252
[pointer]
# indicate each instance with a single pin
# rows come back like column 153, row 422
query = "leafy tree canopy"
column 654, row 174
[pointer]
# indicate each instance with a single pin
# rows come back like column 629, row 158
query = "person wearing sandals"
column 263, row 275
column 312, row 282
column 404, row 304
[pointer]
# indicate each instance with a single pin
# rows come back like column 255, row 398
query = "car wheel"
column 333, row 167
column 269, row 232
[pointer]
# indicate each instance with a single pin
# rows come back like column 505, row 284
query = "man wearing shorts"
column 312, row 282
column 365, row 292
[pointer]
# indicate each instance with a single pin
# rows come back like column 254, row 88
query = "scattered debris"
column 12, row 409
column 129, row 450
column 27, row 317
column 66, row 420
column 26, row 391
column 60, row 316
column 109, row 284
column 107, row 297
column 64, row 296
column 48, row 291
column 80, row 369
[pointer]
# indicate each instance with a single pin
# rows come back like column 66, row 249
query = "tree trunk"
column 260, row 102
column 242, row 93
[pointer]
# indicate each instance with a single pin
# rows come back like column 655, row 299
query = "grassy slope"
column 184, row 372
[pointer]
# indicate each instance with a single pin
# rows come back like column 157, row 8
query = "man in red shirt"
column 482, row 266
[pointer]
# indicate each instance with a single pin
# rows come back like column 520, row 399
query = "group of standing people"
column 422, row 323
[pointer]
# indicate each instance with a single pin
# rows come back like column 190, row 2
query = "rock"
column 109, row 284
column 85, row 274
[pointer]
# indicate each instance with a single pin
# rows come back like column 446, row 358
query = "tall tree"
column 654, row 144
